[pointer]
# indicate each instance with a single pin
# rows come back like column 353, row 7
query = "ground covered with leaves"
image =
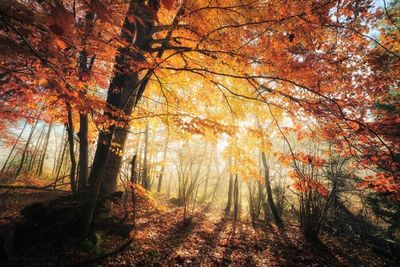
column 164, row 238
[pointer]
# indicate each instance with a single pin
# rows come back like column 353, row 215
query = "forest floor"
column 163, row 238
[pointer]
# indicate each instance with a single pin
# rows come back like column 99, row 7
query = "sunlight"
column 199, row 133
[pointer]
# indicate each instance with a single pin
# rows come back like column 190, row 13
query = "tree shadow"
column 281, row 247
column 300, row 253
column 331, row 255
column 151, row 217
column 227, row 258
column 177, row 235
column 211, row 242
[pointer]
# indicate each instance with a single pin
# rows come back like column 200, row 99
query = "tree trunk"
column 83, row 152
column 13, row 148
column 85, row 68
column 133, row 193
column 204, row 197
column 230, row 191
column 236, row 199
column 251, row 203
column 218, row 178
column 58, row 152
column 139, row 166
column 271, row 203
column 124, row 92
column 43, row 155
column 145, row 181
column 61, row 158
column 70, row 131
column 21, row 163
column 163, row 164
column 32, row 159
column 169, row 188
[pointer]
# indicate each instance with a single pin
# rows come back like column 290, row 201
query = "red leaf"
column 101, row 11
column 60, row 20
column 168, row 4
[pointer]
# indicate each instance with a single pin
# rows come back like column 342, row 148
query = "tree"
column 43, row 155
column 270, row 198
column 312, row 66
column 161, row 175
column 25, row 150
column 13, row 148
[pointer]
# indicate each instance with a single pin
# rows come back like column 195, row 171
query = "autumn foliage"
column 304, row 91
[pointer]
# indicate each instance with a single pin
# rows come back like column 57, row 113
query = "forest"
column 199, row 133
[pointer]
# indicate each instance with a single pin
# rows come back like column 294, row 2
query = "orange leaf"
column 354, row 125
column 60, row 43
column 374, row 158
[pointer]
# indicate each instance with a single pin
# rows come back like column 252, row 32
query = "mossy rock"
column 95, row 238
column 89, row 246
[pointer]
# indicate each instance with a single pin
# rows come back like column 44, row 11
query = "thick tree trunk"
column 271, row 203
column 124, row 92
column 85, row 68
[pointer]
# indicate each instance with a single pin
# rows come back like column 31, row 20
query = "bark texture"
column 123, row 94
column 271, row 203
